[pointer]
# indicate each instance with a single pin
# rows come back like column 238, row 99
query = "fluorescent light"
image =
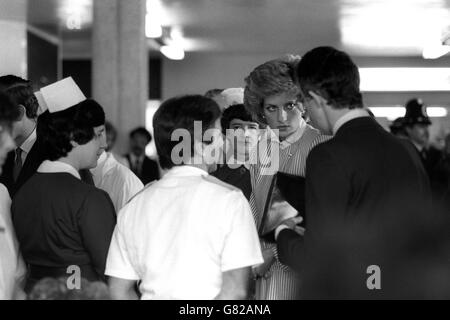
column 392, row 113
column 393, row 26
column 405, row 79
column 153, row 28
column 388, row 112
column 437, row 112
column 435, row 51
column 173, row 52
column 153, row 24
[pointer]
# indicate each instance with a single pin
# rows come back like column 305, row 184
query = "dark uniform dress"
column 238, row 177
column 61, row 221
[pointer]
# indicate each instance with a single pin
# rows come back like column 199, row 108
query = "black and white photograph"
column 248, row 151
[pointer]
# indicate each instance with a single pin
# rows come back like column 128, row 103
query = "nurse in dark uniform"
column 61, row 221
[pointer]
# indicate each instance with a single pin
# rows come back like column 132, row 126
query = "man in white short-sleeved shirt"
column 118, row 181
column 189, row 235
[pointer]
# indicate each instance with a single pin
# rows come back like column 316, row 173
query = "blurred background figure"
column 397, row 128
column 144, row 168
column 12, row 267
column 111, row 138
column 57, row 289
column 416, row 123
column 112, row 176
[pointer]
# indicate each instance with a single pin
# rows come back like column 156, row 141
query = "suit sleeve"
column 327, row 194
column 97, row 224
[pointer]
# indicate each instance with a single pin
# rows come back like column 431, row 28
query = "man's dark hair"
column 143, row 132
column 74, row 124
column 181, row 113
column 20, row 92
column 8, row 111
column 333, row 75
column 237, row 111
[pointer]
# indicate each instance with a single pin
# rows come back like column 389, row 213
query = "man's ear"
column 22, row 112
column 320, row 101
column 74, row 143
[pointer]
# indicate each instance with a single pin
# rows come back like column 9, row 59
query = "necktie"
column 137, row 167
column 17, row 164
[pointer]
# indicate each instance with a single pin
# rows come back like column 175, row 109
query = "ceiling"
column 362, row 27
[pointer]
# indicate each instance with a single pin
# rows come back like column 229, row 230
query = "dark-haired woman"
column 12, row 268
column 64, row 226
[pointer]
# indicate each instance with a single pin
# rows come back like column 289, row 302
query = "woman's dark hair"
column 77, row 124
column 181, row 113
column 236, row 111
column 333, row 75
column 8, row 111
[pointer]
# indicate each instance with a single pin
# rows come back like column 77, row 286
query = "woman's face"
column 283, row 112
column 91, row 151
column 6, row 145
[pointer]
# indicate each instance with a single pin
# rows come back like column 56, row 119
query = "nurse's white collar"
column 185, row 171
column 57, row 167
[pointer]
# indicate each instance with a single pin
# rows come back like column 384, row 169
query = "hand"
column 292, row 223
column 262, row 269
column 299, row 230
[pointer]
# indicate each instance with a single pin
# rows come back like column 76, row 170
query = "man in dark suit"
column 22, row 162
column 143, row 167
column 365, row 191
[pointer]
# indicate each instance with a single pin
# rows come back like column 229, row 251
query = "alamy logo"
column 74, row 280
column 374, row 280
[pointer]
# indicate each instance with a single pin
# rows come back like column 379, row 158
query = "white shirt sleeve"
column 119, row 263
column 242, row 248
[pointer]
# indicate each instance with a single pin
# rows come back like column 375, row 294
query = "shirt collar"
column 352, row 114
column 57, row 167
column 291, row 139
column 186, row 171
column 29, row 142
column 418, row 146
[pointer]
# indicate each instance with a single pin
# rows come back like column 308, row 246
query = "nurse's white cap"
column 59, row 96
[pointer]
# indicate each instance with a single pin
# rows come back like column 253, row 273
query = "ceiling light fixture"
column 392, row 113
column 172, row 51
column 404, row 79
column 437, row 47
column 153, row 25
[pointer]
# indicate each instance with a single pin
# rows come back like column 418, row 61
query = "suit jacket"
column 149, row 171
column 33, row 160
column 365, row 193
